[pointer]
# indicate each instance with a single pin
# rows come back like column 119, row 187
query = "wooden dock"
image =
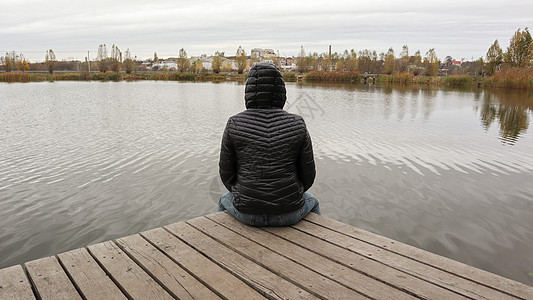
column 216, row 257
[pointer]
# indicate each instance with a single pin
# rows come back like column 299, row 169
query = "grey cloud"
column 71, row 28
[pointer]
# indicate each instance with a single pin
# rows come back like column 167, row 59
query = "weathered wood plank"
column 256, row 276
column 354, row 246
column 132, row 279
column 209, row 273
column 50, row 280
column 349, row 276
column 88, row 276
column 486, row 278
column 375, row 270
column 314, row 273
column 14, row 284
column 182, row 284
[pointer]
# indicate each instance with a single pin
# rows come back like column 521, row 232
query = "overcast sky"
column 461, row 29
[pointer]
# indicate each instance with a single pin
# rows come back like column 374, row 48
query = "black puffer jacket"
column 266, row 159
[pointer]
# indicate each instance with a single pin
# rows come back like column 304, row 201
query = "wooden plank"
column 371, row 286
column 209, row 273
column 314, row 273
column 50, row 280
column 88, row 276
column 181, row 284
column 132, row 279
column 468, row 272
column 256, row 276
column 377, row 271
column 14, row 284
column 353, row 247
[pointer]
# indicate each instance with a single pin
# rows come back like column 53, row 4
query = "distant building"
column 171, row 66
column 261, row 54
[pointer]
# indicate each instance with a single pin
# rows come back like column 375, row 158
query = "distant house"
column 261, row 54
column 171, row 66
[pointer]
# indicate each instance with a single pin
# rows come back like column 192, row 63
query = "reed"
column 459, row 80
column 402, row 78
column 289, row 76
column 335, row 76
column 14, row 77
column 518, row 78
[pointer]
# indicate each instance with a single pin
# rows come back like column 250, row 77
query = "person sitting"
column 266, row 156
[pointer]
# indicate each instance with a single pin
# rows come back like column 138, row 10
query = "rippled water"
column 448, row 171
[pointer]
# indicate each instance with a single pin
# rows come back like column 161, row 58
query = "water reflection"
column 511, row 109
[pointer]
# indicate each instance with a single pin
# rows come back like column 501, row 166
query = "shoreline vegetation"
column 517, row 78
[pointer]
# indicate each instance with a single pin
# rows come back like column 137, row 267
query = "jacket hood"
column 265, row 87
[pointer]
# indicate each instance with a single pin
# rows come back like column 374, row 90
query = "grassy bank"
column 81, row 76
column 84, row 76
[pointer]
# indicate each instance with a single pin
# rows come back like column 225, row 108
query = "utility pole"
column 89, row 61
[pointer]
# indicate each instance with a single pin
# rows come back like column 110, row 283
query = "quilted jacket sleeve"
column 306, row 163
column 228, row 159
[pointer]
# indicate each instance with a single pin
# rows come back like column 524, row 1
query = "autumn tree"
column 480, row 67
column 365, row 61
column 183, row 61
column 302, row 62
column 340, row 62
column 101, row 58
column 196, row 66
column 116, row 59
column 416, row 61
column 350, row 62
column 129, row 63
column 333, row 60
column 22, row 64
column 9, row 61
column 494, row 58
column 50, row 61
column 404, row 59
column 520, row 50
column 240, row 60
column 312, row 61
column 431, row 63
column 390, row 61
column 217, row 62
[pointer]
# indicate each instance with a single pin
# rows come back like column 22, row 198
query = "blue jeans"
column 263, row 220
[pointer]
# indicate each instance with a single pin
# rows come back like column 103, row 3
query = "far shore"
column 512, row 78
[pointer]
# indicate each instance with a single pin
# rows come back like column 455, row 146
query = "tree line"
column 518, row 54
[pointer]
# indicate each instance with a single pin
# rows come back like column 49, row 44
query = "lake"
column 446, row 170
